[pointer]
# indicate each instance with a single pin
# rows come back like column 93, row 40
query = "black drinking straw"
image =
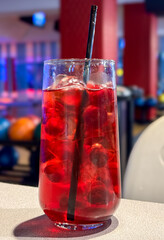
column 79, row 130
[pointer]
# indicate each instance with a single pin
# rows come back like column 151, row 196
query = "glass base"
column 79, row 227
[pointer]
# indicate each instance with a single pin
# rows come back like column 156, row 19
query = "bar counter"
column 22, row 218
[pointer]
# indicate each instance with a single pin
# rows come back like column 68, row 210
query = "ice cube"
column 99, row 78
column 103, row 175
column 55, row 126
column 63, row 81
column 94, row 117
column 54, row 171
column 63, row 149
column 59, row 79
column 99, row 195
column 46, row 153
column 56, row 80
column 99, row 155
column 87, row 172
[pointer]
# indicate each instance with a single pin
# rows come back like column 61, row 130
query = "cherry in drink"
column 98, row 186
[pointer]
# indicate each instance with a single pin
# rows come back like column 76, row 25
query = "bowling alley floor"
column 138, row 129
column 21, row 173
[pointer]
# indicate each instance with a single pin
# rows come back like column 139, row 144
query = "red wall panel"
column 75, row 16
column 140, row 57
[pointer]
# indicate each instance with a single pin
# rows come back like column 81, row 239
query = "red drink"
column 98, row 189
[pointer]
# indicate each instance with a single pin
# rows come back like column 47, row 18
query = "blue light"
column 39, row 19
column 121, row 43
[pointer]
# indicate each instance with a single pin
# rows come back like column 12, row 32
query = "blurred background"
column 129, row 31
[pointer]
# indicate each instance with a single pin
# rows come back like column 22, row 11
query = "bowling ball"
column 4, row 126
column 35, row 119
column 8, row 157
column 151, row 102
column 161, row 98
column 37, row 131
column 140, row 102
column 22, row 129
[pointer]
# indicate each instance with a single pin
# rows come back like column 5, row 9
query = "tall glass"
column 79, row 182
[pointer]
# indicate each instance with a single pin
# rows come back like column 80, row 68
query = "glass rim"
column 78, row 60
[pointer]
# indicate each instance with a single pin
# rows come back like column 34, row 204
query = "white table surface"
column 22, row 218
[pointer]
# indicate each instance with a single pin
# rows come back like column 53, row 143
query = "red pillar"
column 140, row 56
column 74, row 23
